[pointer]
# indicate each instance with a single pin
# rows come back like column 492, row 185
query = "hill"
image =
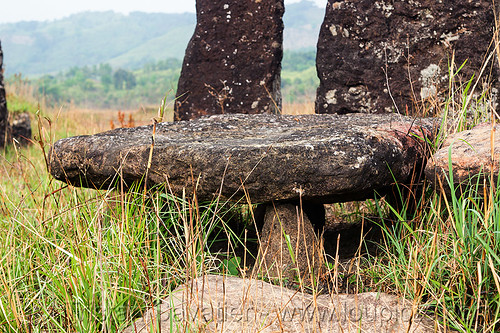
column 127, row 41
column 91, row 38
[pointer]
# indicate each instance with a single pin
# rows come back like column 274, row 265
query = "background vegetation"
column 108, row 60
column 105, row 87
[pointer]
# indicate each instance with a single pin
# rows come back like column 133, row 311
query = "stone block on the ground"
column 232, row 304
column 373, row 55
column 233, row 61
column 320, row 158
column 20, row 129
column 470, row 153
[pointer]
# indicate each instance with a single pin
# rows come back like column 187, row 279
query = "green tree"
column 124, row 79
column 105, row 72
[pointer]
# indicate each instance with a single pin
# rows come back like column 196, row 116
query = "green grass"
column 445, row 257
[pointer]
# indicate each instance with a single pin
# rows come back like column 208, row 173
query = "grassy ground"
column 77, row 260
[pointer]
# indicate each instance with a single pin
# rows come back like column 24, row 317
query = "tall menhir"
column 233, row 61
column 3, row 104
column 386, row 56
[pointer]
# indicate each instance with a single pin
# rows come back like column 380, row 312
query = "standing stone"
column 20, row 129
column 409, row 44
column 233, row 60
column 3, row 104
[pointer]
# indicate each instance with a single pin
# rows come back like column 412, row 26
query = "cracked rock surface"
column 322, row 158
column 231, row 304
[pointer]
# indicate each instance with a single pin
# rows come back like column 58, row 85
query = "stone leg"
column 290, row 249
column 315, row 212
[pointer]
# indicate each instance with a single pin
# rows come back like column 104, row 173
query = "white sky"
column 42, row 10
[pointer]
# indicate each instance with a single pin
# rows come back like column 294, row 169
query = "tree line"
column 102, row 86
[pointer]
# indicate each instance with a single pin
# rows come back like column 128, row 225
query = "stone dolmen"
column 278, row 160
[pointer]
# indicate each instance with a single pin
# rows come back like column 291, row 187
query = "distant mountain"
column 91, row 38
column 128, row 41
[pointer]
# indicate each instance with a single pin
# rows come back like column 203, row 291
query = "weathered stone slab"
column 363, row 45
column 231, row 304
column 472, row 153
column 233, row 61
column 4, row 115
column 325, row 158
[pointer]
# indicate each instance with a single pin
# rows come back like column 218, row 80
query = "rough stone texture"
column 471, row 154
column 233, row 61
column 20, row 129
column 362, row 41
column 275, row 259
column 325, row 158
column 231, row 304
column 315, row 212
column 3, row 105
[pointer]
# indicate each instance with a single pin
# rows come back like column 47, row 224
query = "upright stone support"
column 4, row 115
column 289, row 247
column 233, row 61
column 381, row 56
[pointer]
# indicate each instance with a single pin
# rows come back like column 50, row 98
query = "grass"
column 78, row 260
column 445, row 257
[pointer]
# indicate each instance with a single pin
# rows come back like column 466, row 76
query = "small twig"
column 386, row 70
column 220, row 96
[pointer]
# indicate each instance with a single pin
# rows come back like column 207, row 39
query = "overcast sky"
column 42, row 10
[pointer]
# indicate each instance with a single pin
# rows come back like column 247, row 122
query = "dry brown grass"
column 79, row 121
column 71, row 120
column 298, row 108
